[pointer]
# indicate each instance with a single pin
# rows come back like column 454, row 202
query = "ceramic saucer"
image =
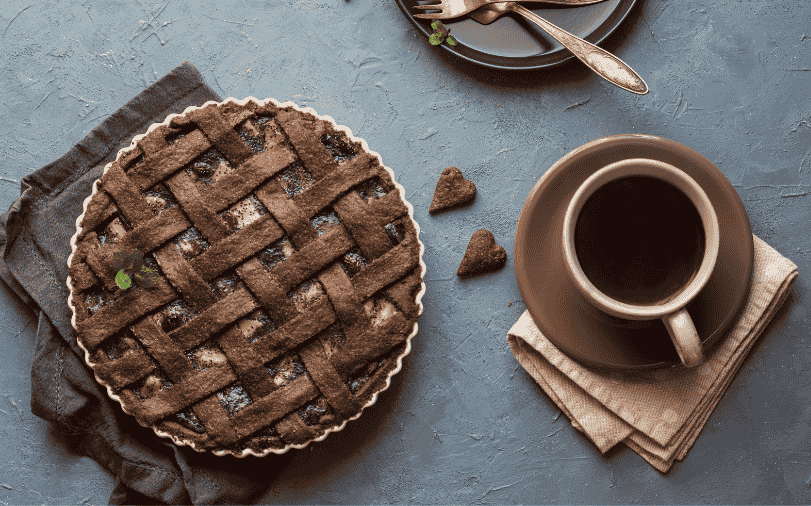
column 576, row 327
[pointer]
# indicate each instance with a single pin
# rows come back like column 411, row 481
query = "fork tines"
column 431, row 5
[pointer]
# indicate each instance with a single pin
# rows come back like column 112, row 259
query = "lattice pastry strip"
column 169, row 160
column 165, row 351
column 364, row 226
column 247, row 363
column 358, row 350
column 196, row 208
column 295, row 332
column 335, row 184
column 184, row 278
column 295, row 223
column 268, row 290
column 128, row 199
column 300, row 129
column 236, row 248
column 342, row 295
column 129, row 368
column 221, row 134
column 328, row 381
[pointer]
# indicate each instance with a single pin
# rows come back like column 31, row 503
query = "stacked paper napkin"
column 658, row 413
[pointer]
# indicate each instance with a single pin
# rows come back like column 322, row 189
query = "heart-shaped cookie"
column 452, row 191
column 483, row 255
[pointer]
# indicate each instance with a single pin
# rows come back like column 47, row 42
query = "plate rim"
column 568, row 56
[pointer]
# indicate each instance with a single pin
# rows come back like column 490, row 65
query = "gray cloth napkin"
column 35, row 237
column 658, row 413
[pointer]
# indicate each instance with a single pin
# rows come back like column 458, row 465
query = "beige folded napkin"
column 658, row 413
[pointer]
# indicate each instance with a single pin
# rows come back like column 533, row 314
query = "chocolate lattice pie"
column 289, row 277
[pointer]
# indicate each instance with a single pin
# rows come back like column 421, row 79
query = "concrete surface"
column 462, row 423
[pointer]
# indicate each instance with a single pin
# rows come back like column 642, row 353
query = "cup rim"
column 664, row 172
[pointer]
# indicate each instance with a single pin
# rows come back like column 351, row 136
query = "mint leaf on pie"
column 435, row 39
column 147, row 277
column 130, row 266
column 122, row 280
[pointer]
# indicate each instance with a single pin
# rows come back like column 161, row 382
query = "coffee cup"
column 640, row 241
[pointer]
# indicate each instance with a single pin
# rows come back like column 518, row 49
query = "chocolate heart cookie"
column 483, row 255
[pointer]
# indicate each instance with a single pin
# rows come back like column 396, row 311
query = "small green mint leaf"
column 122, row 280
column 451, row 40
column 435, row 39
column 435, row 24
column 147, row 277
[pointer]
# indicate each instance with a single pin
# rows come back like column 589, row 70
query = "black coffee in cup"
column 639, row 240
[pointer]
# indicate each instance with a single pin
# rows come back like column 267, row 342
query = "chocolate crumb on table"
column 482, row 256
column 452, row 191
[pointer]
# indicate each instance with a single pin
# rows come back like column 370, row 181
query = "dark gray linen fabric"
column 35, row 235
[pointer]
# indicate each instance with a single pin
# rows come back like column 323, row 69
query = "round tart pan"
column 99, row 207
column 576, row 327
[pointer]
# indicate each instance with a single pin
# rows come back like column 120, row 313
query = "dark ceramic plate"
column 513, row 43
column 575, row 326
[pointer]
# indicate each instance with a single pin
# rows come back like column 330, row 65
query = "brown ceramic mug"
column 640, row 240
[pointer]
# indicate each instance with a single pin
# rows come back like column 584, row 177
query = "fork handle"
column 605, row 64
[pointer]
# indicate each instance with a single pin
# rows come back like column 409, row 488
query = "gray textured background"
column 462, row 422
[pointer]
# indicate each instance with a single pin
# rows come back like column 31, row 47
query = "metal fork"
column 455, row 8
column 603, row 63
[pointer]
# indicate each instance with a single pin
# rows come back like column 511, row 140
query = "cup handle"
column 685, row 337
